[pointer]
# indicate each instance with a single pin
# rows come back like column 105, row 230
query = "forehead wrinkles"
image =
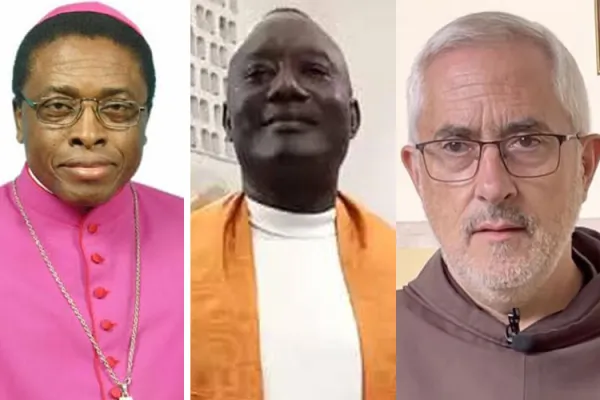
column 464, row 80
column 74, row 53
column 479, row 106
column 94, row 60
column 83, row 65
column 473, row 96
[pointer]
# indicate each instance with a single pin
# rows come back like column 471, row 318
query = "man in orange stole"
column 293, row 283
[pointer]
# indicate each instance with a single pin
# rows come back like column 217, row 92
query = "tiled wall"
column 213, row 35
column 213, row 38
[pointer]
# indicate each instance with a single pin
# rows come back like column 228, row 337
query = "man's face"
column 501, row 236
column 84, row 163
column 289, row 102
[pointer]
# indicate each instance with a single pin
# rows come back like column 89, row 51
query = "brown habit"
column 225, row 354
column 450, row 349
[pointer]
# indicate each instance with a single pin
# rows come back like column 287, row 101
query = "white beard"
column 512, row 276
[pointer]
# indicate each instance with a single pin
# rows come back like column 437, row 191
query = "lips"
column 498, row 231
column 87, row 168
column 86, row 163
column 498, row 227
column 284, row 118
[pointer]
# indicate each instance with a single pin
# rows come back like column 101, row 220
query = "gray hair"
column 486, row 27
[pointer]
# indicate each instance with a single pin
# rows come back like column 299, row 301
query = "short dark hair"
column 291, row 10
column 86, row 24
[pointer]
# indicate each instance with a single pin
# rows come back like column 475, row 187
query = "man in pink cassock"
column 91, row 264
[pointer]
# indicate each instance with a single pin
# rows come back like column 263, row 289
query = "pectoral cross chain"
column 125, row 393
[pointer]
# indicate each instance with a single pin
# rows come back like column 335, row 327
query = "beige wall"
column 409, row 262
column 572, row 21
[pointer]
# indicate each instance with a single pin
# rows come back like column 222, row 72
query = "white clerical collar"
column 37, row 181
column 291, row 225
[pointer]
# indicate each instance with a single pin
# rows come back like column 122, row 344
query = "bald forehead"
column 283, row 32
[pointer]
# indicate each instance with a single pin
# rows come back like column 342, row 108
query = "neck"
column 552, row 297
column 81, row 209
column 37, row 181
column 285, row 224
column 299, row 199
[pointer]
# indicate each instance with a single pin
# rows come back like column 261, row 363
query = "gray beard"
column 509, row 280
column 513, row 275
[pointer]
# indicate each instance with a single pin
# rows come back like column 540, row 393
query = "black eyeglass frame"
column 562, row 138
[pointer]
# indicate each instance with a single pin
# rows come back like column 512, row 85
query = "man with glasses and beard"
column 292, row 281
column 502, row 157
column 91, row 264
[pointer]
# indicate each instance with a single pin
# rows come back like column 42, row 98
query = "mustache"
column 494, row 213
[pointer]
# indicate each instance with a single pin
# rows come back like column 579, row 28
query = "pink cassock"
column 44, row 352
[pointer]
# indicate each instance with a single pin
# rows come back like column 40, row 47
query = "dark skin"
column 290, row 113
column 79, row 67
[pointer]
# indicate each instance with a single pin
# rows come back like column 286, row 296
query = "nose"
column 87, row 132
column 493, row 183
column 285, row 86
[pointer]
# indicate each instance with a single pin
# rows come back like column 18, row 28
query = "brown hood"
column 440, row 302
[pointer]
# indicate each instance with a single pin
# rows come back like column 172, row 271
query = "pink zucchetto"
column 93, row 7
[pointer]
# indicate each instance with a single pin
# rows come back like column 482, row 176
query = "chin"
column 88, row 196
column 296, row 146
column 508, row 272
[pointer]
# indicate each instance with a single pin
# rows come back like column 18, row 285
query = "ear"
column 590, row 155
column 18, row 116
column 226, row 121
column 410, row 159
column 354, row 118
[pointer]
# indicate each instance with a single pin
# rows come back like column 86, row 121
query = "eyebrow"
column 525, row 125
column 450, row 130
column 72, row 91
column 317, row 54
column 262, row 54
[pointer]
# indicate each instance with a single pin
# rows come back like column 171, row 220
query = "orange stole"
column 225, row 353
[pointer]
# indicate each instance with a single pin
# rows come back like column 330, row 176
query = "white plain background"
column 166, row 156
column 573, row 23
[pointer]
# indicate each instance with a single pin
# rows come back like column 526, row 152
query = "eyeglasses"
column 63, row 112
column 524, row 156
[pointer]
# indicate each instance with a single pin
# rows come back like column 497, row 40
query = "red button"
column 100, row 293
column 92, row 228
column 115, row 393
column 112, row 361
column 107, row 325
column 97, row 258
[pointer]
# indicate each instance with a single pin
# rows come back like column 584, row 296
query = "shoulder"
column 377, row 225
column 377, row 236
column 373, row 225
column 401, row 300
column 208, row 227
column 163, row 211
column 7, row 205
column 6, row 187
column 6, row 200
column 208, row 224
column 213, row 214
column 150, row 195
